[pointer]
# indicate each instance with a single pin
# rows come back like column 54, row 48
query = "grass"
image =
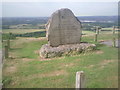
column 88, row 32
column 25, row 68
column 28, row 49
column 107, row 28
column 21, row 31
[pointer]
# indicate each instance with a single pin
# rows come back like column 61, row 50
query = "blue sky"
column 41, row 9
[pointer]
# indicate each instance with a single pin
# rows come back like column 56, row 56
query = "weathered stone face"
column 63, row 28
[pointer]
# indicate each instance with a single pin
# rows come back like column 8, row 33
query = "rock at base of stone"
column 47, row 51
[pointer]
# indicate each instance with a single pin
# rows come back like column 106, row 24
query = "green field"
column 21, row 31
column 111, row 28
column 26, row 69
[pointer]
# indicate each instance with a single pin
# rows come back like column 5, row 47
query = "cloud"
column 60, row 0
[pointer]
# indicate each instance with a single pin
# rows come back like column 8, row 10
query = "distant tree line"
column 6, row 36
column 23, row 27
column 90, row 25
column 32, row 34
column 5, row 26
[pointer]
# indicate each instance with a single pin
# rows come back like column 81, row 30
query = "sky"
column 13, row 8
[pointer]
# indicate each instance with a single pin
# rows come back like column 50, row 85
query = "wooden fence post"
column 95, row 37
column 8, row 43
column 6, row 52
column 97, row 30
column 80, row 80
column 96, row 34
column 3, row 54
column 100, row 29
column 114, row 42
column 113, row 30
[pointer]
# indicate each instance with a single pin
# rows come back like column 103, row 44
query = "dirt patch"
column 77, row 60
column 15, row 81
column 99, row 52
column 66, row 65
column 13, row 55
column 105, row 62
column 36, row 39
column 46, row 59
column 27, row 59
column 102, row 64
column 101, row 40
column 113, row 80
column 69, row 65
column 49, row 74
column 11, row 69
column 54, row 73
column 36, row 51
column 110, row 42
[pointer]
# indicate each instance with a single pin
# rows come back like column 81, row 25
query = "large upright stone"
column 64, row 34
column 63, row 28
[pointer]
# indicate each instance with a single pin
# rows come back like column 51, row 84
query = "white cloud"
column 60, row 0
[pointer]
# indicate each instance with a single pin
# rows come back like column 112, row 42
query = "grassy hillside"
column 25, row 68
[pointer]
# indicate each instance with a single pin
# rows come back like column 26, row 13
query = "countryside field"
column 21, row 31
column 25, row 68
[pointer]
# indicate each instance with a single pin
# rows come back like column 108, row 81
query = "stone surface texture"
column 63, row 28
column 48, row 51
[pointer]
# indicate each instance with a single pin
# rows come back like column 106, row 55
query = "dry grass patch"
column 88, row 35
column 66, row 65
column 101, row 64
column 99, row 52
column 101, row 40
column 90, row 66
column 114, row 80
column 106, row 62
column 20, row 40
column 36, row 39
column 47, row 59
column 48, row 74
column 10, row 69
column 36, row 52
column 27, row 59
column 13, row 55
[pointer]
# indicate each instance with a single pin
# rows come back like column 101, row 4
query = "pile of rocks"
column 48, row 51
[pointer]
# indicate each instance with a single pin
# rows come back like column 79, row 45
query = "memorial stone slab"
column 63, row 28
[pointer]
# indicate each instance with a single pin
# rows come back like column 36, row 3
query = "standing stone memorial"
column 63, row 28
column 63, row 31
